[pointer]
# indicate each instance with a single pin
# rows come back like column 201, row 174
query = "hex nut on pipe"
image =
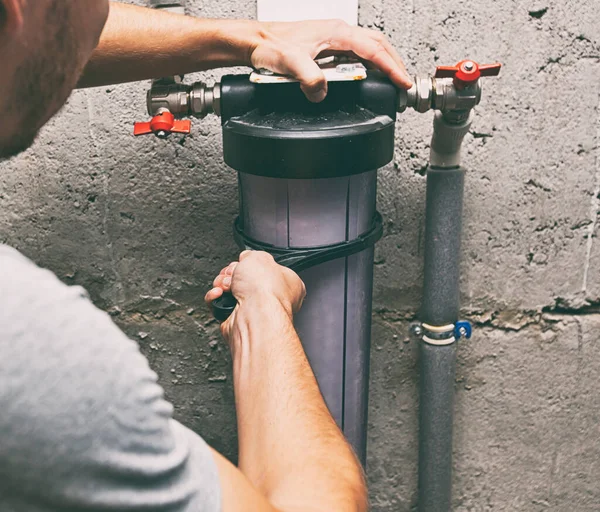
column 423, row 94
column 198, row 99
column 419, row 96
column 205, row 100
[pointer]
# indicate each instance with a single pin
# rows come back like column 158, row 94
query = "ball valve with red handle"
column 162, row 125
column 456, row 90
column 467, row 72
column 452, row 88
column 169, row 99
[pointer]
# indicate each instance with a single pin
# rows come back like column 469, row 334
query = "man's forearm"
column 290, row 447
column 140, row 43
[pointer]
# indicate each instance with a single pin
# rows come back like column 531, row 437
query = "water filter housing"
column 308, row 181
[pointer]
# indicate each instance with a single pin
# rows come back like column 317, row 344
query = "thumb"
column 245, row 254
column 296, row 63
column 312, row 80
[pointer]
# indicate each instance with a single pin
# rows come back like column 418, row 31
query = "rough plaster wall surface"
column 144, row 225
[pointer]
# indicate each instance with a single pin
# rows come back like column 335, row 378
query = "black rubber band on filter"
column 297, row 259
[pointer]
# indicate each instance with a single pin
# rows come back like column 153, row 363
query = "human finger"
column 212, row 294
column 374, row 47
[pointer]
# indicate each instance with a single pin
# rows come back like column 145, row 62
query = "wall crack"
column 509, row 319
column 106, row 190
column 594, row 204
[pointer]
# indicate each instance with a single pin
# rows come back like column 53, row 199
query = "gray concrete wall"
column 144, row 224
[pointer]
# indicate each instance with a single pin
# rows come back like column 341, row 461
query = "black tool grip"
column 297, row 259
column 224, row 306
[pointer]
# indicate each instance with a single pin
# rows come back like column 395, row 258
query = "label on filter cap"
column 333, row 69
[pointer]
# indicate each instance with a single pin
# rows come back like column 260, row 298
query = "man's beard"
column 44, row 81
column 16, row 145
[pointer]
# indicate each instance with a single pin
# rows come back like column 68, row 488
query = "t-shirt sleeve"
column 83, row 423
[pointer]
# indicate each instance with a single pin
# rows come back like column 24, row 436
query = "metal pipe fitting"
column 419, row 96
column 447, row 97
column 184, row 100
column 170, row 94
column 204, row 99
column 439, row 94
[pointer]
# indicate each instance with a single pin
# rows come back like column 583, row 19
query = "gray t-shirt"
column 83, row 423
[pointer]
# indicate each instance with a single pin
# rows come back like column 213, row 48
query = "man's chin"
column 16, row 145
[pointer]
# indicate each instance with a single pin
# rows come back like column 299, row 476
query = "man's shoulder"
column 11, row 258
column 58, row 350
column 52, row 335
column 24, row 285
column 84, row 420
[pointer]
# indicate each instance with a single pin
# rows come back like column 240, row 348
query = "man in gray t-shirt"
column 83, row 422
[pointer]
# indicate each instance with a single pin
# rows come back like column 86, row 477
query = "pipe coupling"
column 439, row 94
column 449, row 130
column 205, row 100
column 419, row 96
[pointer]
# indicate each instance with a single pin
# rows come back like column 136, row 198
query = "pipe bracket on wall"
column 438, row 334
column 463, row 329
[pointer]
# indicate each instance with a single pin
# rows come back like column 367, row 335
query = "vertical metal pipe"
column 437, row 362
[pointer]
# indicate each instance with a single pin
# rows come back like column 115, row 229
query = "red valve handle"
column 164, row 123
column 467, row 72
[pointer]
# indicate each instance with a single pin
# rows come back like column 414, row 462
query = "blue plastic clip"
column 463, row 329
